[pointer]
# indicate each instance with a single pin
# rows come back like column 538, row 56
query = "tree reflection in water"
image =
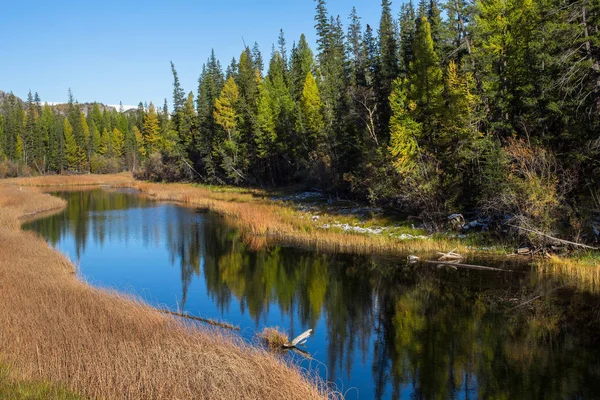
column 426, row 333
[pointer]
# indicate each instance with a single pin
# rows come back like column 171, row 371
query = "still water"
column 382, row 329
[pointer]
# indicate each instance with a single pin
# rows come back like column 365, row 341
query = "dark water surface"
column 382, row 329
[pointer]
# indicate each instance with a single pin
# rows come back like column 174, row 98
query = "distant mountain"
column 61, row 108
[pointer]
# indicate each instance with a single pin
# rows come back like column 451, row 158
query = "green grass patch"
column 26, row 390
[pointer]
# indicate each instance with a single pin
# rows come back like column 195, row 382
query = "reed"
column 583, row 270
column 98, row 344
column 274, row 338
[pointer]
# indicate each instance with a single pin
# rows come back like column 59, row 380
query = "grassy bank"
column 58, row 329
column 29, row 390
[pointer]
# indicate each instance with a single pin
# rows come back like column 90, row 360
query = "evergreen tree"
column 70, row 147
column 117, row 142
column 178, row 99
column 312, row 112
column 302, row 64
column 426, row 83
column 257, row 58
column 265, row 135
column 408, row 31
column 209, row 88
column 387, row 66
column 151, row 131
column 230, row 150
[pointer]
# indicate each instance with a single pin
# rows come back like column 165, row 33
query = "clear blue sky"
column 111, row 51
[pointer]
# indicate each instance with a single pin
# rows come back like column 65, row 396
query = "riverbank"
column 267, row 218
column 271, row 219
column 58, row 329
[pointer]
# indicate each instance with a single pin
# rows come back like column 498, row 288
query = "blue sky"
column 113, row 51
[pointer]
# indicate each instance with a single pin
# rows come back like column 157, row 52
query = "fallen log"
column 585, row 246
column 299, row 340
column 205, row 320
column 467, row 266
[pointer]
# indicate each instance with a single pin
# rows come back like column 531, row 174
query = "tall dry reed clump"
column 57, row 328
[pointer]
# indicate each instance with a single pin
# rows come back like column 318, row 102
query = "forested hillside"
column 481, row 105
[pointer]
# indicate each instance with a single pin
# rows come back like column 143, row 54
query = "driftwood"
column 298, row 340
column 205, row 320
column 451, row 255
column 554, row 238
column 467, row 266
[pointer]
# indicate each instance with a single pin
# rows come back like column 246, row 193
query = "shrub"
column 10, row 169
column 105, row 165
column 528, row 187
column 163, row 167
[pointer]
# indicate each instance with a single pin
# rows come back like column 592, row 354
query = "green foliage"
column 151, row 130
column 404, row 130
column 70, row 147
column 227, row 115
column 265, row 134
column 311, row 108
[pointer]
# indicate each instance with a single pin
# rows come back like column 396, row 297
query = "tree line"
column 445, row 106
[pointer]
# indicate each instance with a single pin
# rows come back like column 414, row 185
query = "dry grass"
column 122, row 179
column 584, row 271
column 259, row 217
column 58, row 329
column 274, row 338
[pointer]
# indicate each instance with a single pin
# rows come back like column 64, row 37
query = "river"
column 383, row 328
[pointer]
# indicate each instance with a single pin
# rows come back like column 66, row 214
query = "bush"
column 528, row 187
column 105, row 165
column 10, row 169
column 162, row 167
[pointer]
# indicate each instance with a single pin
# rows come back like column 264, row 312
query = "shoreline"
column 267, row 221
column 97, row 343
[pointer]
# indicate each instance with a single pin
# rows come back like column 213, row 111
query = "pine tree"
column 70, row 147
column 140, row 147
column 46, row 133
column 151, row 131
column 404, row 130
column 85, row 144
column 283, row 50
column 178, row 100
column 408, row 30
column 426, row 83
column 117, row 142
column 266, row 135
column 29, row 135
column 227, row 116
column 387, row 66
column 188, row 128
column 209, row 88
column 257, row 58
column 355, row 49
column 281, row 101
column 2, row 138
column 438, row 34
column 312, row 111
column 302, row 63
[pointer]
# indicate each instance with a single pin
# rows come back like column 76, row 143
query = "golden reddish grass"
column 57, row 328
column 274, row 338
column 584, row 272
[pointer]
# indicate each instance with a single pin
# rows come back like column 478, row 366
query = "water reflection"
column 385, row 328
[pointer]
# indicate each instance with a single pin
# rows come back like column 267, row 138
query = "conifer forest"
column 452, row 106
